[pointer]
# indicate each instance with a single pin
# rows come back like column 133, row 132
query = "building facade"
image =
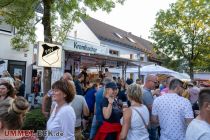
column 16, row 62
column 111, row 42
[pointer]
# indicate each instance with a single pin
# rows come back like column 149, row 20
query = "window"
column 131, row 56
column 114, row 52
column 118, row 35
column 4, row 26
column 131, row 40
column 141, row 58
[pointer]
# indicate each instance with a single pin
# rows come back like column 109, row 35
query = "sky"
column 135, row 16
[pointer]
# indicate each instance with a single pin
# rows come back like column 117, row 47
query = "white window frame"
column 131, row 40
column 118, row 35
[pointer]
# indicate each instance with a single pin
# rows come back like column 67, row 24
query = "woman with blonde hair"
column 136, row 117
column 12, row 116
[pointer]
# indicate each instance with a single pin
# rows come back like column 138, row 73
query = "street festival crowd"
column 109, row 108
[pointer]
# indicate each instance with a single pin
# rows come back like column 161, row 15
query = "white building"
column 91, row 43
column 119, row 48
column 15, row 61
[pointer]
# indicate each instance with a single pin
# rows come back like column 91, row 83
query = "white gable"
column 82, row 32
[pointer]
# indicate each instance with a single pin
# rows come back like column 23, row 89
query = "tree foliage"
column 19, row 14
column 58, row 19
column 63, row 14
column 182, row 32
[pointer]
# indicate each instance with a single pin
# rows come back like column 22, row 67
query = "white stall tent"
column 149, row 69
column 156, row 69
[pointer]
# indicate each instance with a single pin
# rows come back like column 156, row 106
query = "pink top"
column 164, row 91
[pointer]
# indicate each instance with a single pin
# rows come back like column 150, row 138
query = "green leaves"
column 20, row 14
column 183, row 30
column 64, row 13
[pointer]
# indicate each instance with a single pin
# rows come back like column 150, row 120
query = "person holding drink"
column 112, row 112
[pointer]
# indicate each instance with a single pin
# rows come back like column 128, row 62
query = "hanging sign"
column 49, row 55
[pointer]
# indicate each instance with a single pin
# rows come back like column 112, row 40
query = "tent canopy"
column 156, row 69
column 151, row 69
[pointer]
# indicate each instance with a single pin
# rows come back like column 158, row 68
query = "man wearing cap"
column 173, row 112
column 112, row 113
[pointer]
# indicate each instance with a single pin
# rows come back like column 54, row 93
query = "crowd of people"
column 109, row 108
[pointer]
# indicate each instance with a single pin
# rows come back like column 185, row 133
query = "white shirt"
column 62, row 122
column 172, row 110
column 108, row 74
column 198, row 130
column 137, row 130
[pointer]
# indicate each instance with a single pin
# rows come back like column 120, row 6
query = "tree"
column 182, row 32
column 21, row 14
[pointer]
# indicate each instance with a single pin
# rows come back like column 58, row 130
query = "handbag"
column 141, row 118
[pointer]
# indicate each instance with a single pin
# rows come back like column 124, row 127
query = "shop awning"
column 95, row 59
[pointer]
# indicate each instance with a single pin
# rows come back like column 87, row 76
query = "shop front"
column 80, row 55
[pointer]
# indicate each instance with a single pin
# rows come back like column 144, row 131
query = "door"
column 17, row 67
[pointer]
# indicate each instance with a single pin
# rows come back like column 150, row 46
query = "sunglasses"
column 154, row 81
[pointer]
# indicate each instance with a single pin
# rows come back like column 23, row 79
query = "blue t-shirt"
column 122, row 96
column 147, row 97
column 78, row 86
column 99, row 99
column 90, row 98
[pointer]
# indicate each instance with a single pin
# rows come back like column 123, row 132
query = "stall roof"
column 100, row 59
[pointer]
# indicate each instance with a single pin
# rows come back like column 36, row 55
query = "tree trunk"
column 47, row 38
column 191, row 65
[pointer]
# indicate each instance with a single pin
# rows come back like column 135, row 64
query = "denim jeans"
column 94, row 127
column 153, row 133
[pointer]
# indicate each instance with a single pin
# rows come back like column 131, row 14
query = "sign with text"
column 79, row 46
column 49, row 55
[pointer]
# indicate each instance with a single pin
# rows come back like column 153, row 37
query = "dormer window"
column 118, row 35
column 4, row 26
column 114, row 52
column 130, row 39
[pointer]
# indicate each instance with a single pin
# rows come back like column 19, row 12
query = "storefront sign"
column 79, row 46
column 84, row 47
column 49, row 55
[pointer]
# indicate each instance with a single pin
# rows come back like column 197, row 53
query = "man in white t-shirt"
column 173, row 112
column 199, row 128
column 108, row 74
